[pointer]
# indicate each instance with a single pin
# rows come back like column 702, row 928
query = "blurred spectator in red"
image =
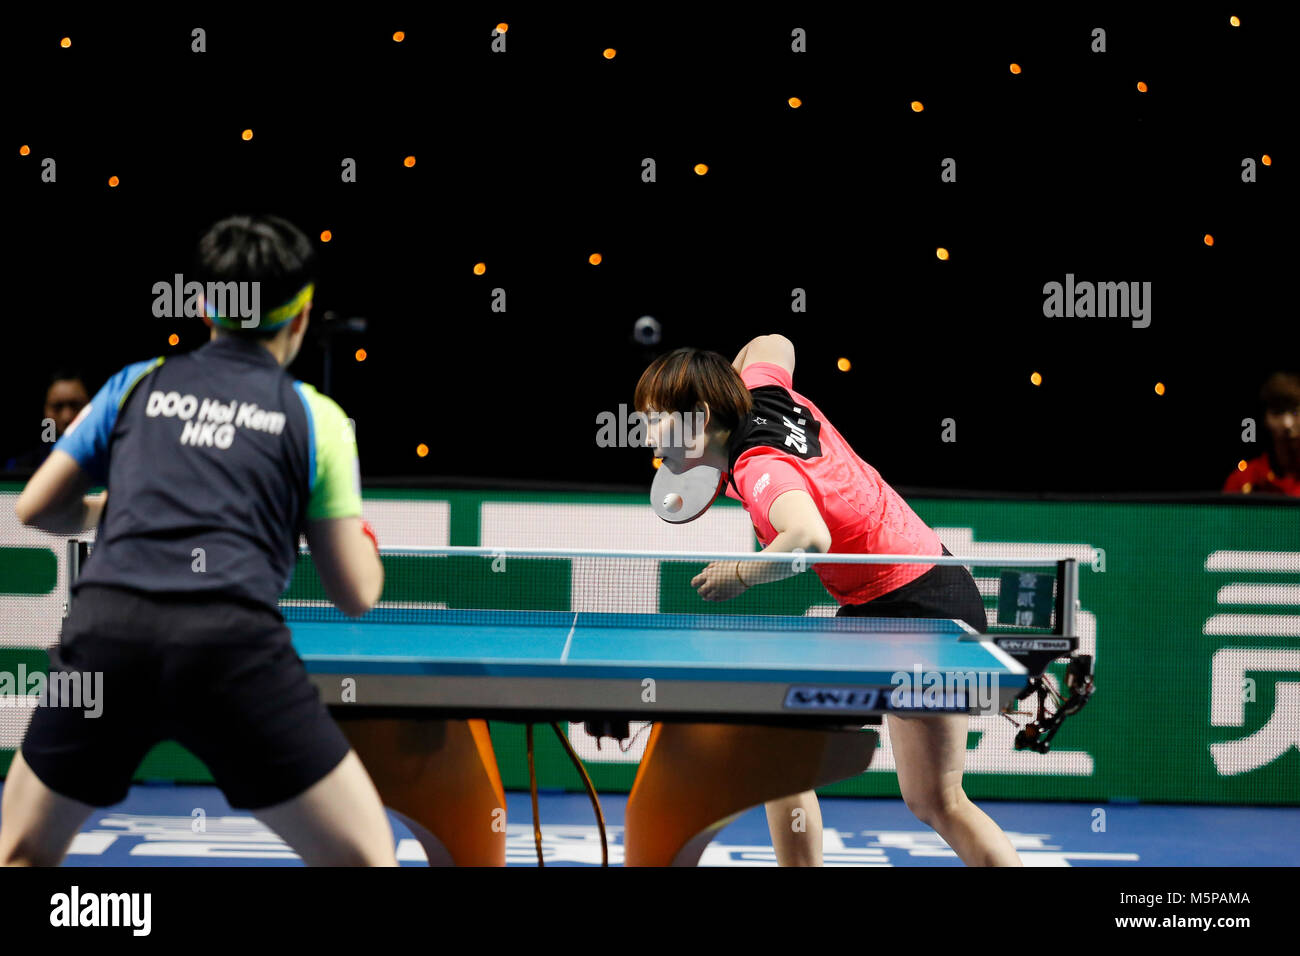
column 65, row 397
column 1276, row 472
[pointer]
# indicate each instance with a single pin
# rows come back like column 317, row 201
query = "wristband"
column 739, row 578
column 369, row 532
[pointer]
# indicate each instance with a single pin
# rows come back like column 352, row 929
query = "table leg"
column 442, row 776
column 694, row 778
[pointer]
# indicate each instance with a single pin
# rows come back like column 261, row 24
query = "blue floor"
column 194, row 826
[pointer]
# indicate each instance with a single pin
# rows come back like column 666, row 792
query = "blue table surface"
column 701, row 647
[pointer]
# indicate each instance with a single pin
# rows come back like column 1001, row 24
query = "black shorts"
column 218, row 676
column 945, row 591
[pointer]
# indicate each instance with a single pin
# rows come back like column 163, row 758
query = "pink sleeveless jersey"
column 787, row 444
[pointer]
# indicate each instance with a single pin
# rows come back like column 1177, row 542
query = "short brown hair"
column 686, row 379
column 1281, row 393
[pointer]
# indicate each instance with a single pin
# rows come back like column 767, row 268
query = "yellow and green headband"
column 270, row 321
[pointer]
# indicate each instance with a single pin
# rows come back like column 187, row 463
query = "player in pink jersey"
column 806, row 490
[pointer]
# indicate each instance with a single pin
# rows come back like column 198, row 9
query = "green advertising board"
column 1189, row 609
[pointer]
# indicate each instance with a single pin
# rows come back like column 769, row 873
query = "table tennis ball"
column 672, row 503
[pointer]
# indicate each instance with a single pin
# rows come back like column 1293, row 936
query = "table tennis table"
column 559, row 665
column 745, row 708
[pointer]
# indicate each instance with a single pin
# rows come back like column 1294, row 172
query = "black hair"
column 1281, row 393
column 264, row 249
column 66, row 374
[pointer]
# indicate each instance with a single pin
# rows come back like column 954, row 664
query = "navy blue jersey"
column 214, row 461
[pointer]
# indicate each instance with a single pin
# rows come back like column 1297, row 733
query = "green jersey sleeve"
column 336, row 470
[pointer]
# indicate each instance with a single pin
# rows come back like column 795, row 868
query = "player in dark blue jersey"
column 214, row 463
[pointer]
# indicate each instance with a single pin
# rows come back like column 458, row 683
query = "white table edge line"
column 568, row 641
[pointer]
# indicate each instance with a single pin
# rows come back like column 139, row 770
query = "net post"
column 1067, row 596
column 76, row 551
column 76, row 548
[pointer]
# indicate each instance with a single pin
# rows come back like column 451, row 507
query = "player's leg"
column 930, row 753
column 338, row 821
column 37, row 825
column 795, row 823
column 249, row 710
column 91, row 728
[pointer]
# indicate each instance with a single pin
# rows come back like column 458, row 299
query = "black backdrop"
column 530, row 160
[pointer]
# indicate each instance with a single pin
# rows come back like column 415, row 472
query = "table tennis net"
column 425, row 586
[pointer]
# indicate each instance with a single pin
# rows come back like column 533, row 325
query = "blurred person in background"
column 65, row 396
column 1277, row 471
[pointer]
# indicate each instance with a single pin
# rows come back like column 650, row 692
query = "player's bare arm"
column 800, row 528
column 775, row 349
column 348, row 564
column 55, row 498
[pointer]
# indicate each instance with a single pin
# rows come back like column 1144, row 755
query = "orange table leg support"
column 695, row 778
column 441, row 775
